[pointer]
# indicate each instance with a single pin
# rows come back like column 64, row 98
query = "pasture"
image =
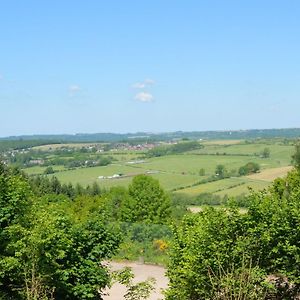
column 38, row 170
column 181, row 171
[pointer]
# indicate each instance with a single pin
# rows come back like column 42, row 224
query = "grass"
column 192, row 163
column 244, row 188
column 280, row 154
column 213, row 187
column 172, row 181
column 182, row 170
column 38, row 170
column 87, row 176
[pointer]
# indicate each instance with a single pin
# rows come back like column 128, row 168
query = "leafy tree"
column 118, row 203
column 249, row 168
column 14, row 205
column 202, row 172
column 148, row 202
column 221, row 171
column 296, row 156
column 135, row 291
column 79, row 190
column 266, row 153
column 49, row 170
column 96, row 189
column 14, row 194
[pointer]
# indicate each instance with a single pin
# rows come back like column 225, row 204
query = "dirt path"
column 141, row 272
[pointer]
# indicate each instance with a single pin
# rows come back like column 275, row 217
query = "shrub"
column 267, row 235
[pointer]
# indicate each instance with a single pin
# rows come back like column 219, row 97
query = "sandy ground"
column 222, row 142
column 271, row 174
column 141, row 272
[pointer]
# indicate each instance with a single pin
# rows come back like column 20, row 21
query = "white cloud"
column 74, row 89
column 144, row 84
column 149, row 81
column 144, row 97
column 139, row 85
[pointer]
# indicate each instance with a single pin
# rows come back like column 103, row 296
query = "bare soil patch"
column 223, row 142
column 271, row 174
column 142, row 272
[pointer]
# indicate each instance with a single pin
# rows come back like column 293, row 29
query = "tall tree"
column 149, row 203
column 296, row 156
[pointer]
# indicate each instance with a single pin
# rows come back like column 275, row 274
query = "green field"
column 181, row 171
column 37, row 170
column 192, row 163
column 244, row 188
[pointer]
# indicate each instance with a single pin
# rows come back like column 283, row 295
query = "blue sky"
column 160, row 65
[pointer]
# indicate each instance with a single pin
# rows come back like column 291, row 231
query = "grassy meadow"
column 181, row 171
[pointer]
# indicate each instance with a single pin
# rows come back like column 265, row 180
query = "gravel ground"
column 141, row 272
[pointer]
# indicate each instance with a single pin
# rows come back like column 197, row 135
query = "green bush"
column 267, row 236
column 249, row 168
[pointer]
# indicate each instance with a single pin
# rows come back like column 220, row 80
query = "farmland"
column 180, row 173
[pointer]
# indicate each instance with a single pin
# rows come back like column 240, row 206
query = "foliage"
column 149, row 241
column 46, row 253
column 118, row 203
column 22, row 144
column 221, row 171
column 49, row 170
column 135, row 291
column 42, row 185
column 174, row 149
column 239, row 283
column 14, row 202
column 267, row 236
column 296, row 156
column 266, row 153
column 148, row 202
column 14, row 193
column 249, row 168
column 202, row 172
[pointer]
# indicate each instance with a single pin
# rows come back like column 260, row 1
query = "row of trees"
column 178, row 148
column 143, row 201
column 249, row 168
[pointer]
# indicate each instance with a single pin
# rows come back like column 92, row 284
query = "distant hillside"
column 116, row 137
column 19, row 143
